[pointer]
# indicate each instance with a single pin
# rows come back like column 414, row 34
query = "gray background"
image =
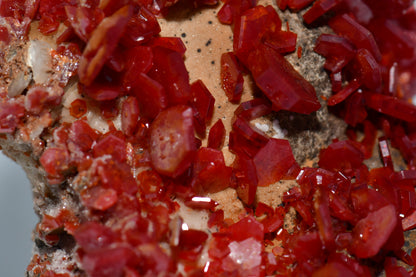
column 17, row 219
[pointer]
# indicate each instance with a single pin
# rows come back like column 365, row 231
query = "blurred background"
column 17, row 219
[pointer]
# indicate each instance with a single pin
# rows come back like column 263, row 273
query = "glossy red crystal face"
column 274, row 161
column 100, row 46
column 231, row 77
column 281, row 83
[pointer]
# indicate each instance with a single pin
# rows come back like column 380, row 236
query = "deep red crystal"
column 281, row 83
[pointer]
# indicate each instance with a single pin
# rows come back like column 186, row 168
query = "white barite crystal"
column 246, row 253
column 262, row 127
column 39, row 59
column 279, row 133
column 19, row 83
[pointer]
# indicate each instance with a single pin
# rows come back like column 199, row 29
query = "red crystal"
column 239, row 144
column 338, row 51
column 323, row 218
column 282, row 41
column 191, row 244
column 274, row 161
column 172, row 145
column 344, row 93
column 150, row 185
column 172, row 43
column 111, row 145
column 281, row 83
column 210, row 174
column 341, row 155
column 252, row 229
column 37, row 98
column 355, row 111
column 55, row 161
column 141, row 28
column 216, row 135
column 139, row 61
column 83, row 20
column 197, row 202
column 150, row 94
column 372, row 232
column 298, row 4
column 78, row 108
column 249, row 132
column 129, row 115
column 107, row 262
column 334, row 269
column 12, row 8
column 345, row 25
column 10, row 114
column 99, row 198
column 107, row 86
column 385, row 152
column 367, row 70
column 232, row 10
column 246, row 175
column 203, row 103
column 4, row 35
column 93, row 236
column 253, row 25
column 392, row 106
column 319, row 8
column 231, row 77
column 116, row 176
column 169, row 70
column 253, row 109
column 81, row 136
column 307, row 245
column 100, row 47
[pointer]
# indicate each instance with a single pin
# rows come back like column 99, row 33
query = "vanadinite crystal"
column 141, row 175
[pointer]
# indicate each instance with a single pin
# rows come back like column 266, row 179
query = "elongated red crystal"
column 281, row 83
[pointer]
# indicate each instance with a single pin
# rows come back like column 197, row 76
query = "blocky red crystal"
column 274, row 161
column 281, row 83
column 372, row 232
column 172, row 141
column 100, row 47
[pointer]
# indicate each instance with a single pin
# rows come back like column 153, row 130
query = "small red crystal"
column 169, row 70
column 78, row 108
column 231, row 77
column 216, row 135
column 150, row 94
column 274, row 161
column 129, row 115
column 361, row 37
column 372, row 232
column 203, row 103
column 210, row 174
column 100, row 47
